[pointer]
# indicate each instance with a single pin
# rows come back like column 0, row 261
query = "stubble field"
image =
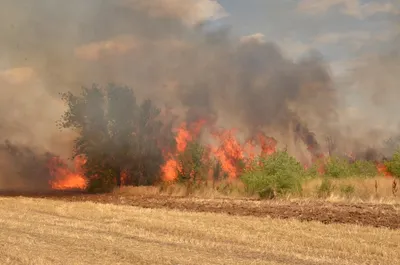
column 110, row 229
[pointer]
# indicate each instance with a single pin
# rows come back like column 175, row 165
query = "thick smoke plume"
column 165, row 51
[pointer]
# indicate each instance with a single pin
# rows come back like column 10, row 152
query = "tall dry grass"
column 210, row 189
column 372, row 190
column 378, row 189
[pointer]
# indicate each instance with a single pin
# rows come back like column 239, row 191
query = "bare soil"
column 377, row 215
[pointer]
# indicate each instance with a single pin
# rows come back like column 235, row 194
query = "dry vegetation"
column 37, row 231
column 372, row 190
column 363, row 190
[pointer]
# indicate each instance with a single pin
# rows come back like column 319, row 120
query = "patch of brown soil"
column 377, row 215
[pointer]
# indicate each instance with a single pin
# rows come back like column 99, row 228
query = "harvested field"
column 42, row 231
column 377, row 215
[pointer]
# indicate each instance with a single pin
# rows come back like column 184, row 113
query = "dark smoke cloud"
column 161, row 50
column 24, row 168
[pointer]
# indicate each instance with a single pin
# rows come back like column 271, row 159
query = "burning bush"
column 123, row 142
column 393, row 165
column 192, row 165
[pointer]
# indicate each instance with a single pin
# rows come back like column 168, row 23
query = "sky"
column 342, row 30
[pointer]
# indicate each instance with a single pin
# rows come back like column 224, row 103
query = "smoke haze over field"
column 161, row 49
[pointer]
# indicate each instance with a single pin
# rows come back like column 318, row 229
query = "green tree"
column 117, row 136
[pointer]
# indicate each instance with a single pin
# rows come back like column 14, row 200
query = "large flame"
column 171, row 167
column 65, row 178
column 232, row 155
column 229, row 152
column 183, row 136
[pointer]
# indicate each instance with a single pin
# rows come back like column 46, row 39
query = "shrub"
column 103, row 181
column 100, row 185
column 363, row 168
column 342, row 168
column 312, row 171
column 325, row 189
column 347, row 190
column 217, row 170
column 337, row 168
column 393, row 165
column 192, row 166
column 272, row 175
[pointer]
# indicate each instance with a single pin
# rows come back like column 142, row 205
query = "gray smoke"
column 162, row 50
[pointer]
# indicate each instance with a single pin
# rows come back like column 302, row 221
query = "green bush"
column 363, row 168
column 277, row 174
column 312, row 172
column 193, row 169
column 393, row 165
column 342, row 168
column 337, row 168
column 347, row 190
column 325, row 189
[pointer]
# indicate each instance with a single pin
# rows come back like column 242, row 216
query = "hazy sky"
column 48, row 46
column 341, row 30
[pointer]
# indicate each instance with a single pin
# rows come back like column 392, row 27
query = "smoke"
column 162, row 49
column 374, row 82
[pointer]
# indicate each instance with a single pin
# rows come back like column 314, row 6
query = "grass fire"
column 121, row 141
column 199, row 132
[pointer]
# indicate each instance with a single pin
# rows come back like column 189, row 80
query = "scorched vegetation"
column 126, row 141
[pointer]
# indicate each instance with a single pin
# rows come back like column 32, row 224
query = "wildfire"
column 383, row 170
column 268, row 144
column 232, row 156
column 228, row 151
column 171, row 168
column 65, row 178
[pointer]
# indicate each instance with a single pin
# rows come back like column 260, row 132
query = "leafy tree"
column 117, row 136
column 146, row 153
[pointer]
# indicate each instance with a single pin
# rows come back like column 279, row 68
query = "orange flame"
column 229, row 153
column 171, row 167
column 65, row 178
column 170, row 170
column 182, row 138
column 383, row 170
column 268, row 144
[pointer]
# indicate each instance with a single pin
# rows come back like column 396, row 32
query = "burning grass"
column 226, row 171
column 87, row 233
column 121, row 141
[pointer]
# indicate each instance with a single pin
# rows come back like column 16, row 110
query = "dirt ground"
column 377, row 215
column 44, row 231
